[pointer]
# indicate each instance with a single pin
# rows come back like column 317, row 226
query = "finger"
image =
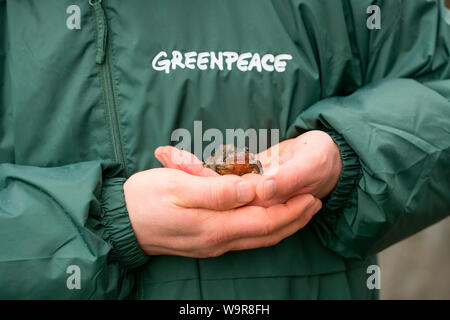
column 277, row 236
column 171, row 157
column 252, row 221
column 253, row 178
column 214, row 193
column 198, row 170
column 216, row 244
column 290, row 177
column 256, row 179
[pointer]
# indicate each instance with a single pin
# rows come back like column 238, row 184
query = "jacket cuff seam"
column 115, row 220
column 339, row 198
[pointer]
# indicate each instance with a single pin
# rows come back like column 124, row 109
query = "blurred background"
column 418, row 267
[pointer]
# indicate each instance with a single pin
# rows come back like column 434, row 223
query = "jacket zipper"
column 102, row 59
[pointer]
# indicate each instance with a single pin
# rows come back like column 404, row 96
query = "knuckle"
column 218, row 196
column 213, row 253
column 272, row 241
column 214, row 238
column 267, row 228
column 217, row 253
column 266, row 225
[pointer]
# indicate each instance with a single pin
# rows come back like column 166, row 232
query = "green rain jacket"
column 85, row 102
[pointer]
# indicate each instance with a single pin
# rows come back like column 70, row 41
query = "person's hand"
column 176, row 213
column 310, row 163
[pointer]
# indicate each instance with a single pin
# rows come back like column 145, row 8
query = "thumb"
column 289, row 178
column 214, row 193
column 171, row 157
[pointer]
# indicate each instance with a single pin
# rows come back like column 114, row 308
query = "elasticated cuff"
column 350, row 175
column 117, row 225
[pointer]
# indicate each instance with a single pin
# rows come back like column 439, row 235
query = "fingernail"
column 319, row 205
column 312, row 202
column 270, row 188
column 245, row 192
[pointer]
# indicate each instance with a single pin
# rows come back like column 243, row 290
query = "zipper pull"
column 102, row 30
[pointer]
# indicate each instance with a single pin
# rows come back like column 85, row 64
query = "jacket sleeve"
column 393, row 133
column 64, row 231
column 65, row 234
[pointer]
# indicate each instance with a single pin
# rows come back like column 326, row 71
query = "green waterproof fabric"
column 84, row 103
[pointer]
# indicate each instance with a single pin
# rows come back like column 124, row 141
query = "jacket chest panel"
column 231, row 65
column 228, row 64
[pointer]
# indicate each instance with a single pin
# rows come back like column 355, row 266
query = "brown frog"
column 233, row 160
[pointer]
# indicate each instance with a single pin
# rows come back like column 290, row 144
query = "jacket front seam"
column 114, row 87
column 111, row 101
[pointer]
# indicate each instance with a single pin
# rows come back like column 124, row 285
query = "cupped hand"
column 177, row 213
column 308, row 164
